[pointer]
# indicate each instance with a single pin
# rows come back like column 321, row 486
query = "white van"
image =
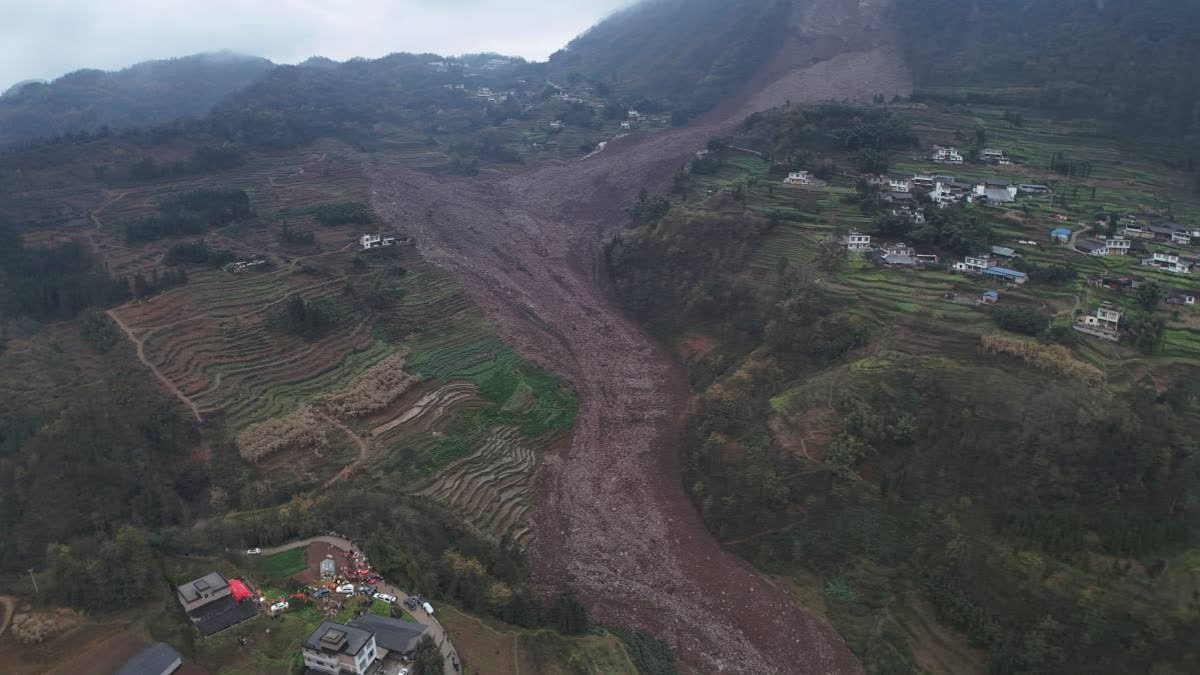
column 428, row 608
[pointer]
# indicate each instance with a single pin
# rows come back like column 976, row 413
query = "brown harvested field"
column 487, row 647
column 314, row 554
column 91, row 649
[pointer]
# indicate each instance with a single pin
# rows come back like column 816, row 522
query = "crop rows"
column 430, row 408
column 491, row 488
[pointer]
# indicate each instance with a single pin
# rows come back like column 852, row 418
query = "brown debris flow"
column 611, row 517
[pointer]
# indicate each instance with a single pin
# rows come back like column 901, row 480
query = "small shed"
column 328, row 568
column 1060, row 234
column 989, row 297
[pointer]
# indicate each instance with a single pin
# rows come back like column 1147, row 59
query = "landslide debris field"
column 610, row 516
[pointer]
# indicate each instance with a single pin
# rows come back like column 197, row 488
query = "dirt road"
column 141, row 354
column 611, row 518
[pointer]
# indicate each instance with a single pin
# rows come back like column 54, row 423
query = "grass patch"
column 285, row 564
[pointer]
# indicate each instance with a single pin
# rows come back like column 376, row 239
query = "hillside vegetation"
column 898, row 453
column 654, row 50
column 1125, row 60
column 146, row 94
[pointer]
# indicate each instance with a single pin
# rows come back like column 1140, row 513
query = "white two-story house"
column 857, row 241
column 338, row 649
column 798, row 178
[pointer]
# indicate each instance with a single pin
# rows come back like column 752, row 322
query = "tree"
column 1149, row 295
column 427, row 658
column 1150, row 332
column 568, row 614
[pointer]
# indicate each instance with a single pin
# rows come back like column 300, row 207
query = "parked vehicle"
column 411, row 603
column 345, row 589
column 279, row 606
column 369, row 590
column 385, row 597
column 428, row 608
column 253, row 551
column 321, row 593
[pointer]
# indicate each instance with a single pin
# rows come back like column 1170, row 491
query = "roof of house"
column 1060, row 231
column 898, row 259
column 991, row 294
column 394, row 635
column 337, row 638
column 901, row 196
column 998, row 195
column 1182, row 293
column 205, row 585
column 1168, row 229
column 1089, row 245
column 156, row 659
column 222, row 613
column 1003, row 251
column 1032, row 186
column 1004, row 272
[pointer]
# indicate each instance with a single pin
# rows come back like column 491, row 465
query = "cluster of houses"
column 951, row 155
column 361, row 646
column 1123, row 244
column 243, row 265
column 368, row 242
column 891, row 255
column 987, row 265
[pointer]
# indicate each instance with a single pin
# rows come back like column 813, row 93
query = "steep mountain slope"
column 1127, row 60
column 146, row 94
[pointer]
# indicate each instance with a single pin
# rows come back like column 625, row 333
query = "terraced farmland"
column 491, row 489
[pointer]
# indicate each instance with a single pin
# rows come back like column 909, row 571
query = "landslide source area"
column 612, row 520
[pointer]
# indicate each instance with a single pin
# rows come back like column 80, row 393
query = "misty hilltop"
column 146, row 94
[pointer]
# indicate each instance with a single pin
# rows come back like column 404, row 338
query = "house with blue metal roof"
column 1061, row 234
column 1005, row 274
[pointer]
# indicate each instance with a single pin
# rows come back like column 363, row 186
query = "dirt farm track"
column 611, row 518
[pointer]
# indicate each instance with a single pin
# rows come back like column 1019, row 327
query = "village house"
column 973, row 264
column 1033, row 188
column 1117, row 245
column 371, row 241
column 1003, row 252
column 946, row 155
column 1175, row 234
column 1093, row 247
column 899, row 185
column 995, row 192
column 1168, row 262
column 1136, row 232
column 857, row 241
column 898, row 249
column 243, row 265
column 1060, row 234
column 365, row 645
column 1181, row 296
column 627, row 125
column 989, row 298
column 214, row 603
column 337, row 649
column 798, row 178
column 1104, row 324
column 994, row 156
column 927, row 259
column 921, row 182
column 1005, row 274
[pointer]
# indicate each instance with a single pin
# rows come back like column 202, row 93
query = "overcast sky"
column 44, row 39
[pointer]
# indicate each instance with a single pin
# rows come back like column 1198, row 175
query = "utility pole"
column 34, row 580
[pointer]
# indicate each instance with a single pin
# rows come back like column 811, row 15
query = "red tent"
column 239, row 590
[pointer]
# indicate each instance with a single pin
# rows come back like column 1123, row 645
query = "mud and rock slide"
column 611, row 518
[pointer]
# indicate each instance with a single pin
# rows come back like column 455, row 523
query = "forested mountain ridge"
column 145, row 94
column 1131, row 61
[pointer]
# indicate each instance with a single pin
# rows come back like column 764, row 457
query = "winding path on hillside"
column 611, row 518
